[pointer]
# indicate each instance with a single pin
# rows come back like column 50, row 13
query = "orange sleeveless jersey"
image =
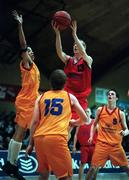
column 30, row 85
column 55, row 113
column 110, row 126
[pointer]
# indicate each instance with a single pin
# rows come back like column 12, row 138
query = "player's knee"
column 18, row 136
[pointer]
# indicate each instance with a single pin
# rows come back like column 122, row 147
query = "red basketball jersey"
column 84, row 134
column 78, row 78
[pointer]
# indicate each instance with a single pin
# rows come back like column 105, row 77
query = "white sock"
column 13, row 151
column 9, row 149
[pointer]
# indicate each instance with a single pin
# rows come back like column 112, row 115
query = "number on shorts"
column 53, row 106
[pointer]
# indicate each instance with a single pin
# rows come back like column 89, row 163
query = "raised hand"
column 17, row 17
column 74, row 27
column 55, row 26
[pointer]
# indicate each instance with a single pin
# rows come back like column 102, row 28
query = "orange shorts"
column 53, row 154
column 104, row 152
column 24, row 116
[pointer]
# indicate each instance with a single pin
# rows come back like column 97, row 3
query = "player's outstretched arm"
column 22, row 40
column 82, row 49
column 59, row 49
column 19, row 19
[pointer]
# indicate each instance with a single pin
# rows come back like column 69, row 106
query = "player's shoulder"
column 99, row 110
column 66, row 58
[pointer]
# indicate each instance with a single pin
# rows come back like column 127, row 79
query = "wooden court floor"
column 101, row 176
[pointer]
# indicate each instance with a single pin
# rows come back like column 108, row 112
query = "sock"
column 13, row 151
column 9, row 149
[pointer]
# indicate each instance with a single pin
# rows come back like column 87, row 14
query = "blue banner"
column 28, row 167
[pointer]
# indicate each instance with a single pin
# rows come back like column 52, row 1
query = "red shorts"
column 52, row 153
column 86, row 153
column 84, row 104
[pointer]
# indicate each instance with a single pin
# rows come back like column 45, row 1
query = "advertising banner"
column 28, row 167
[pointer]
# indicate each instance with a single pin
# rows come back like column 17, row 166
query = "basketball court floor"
column 101, row 176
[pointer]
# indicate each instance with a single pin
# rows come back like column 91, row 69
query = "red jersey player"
column 77, row 68
column 82, row 135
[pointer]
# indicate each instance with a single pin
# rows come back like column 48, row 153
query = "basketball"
column 62, row 19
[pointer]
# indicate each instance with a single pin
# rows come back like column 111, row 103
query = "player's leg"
column 59, row 157
column 22, row 119
column 92, row 173
column 84, row 154
column 99, row 159
column 118, row 158
column 40, row 150
column 95, row 174
column 15, row 144
column 80, row 172
column 91, row 151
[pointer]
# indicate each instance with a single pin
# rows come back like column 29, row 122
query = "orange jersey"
column 110, row 126
column 30, row 86
column 55, row 113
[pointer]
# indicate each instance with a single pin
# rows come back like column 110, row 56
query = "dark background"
column 102, row 24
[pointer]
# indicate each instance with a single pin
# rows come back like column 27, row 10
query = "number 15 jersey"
column 55, row 113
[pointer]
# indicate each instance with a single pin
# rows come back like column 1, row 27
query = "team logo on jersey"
column 80, row 67
column 114, row 121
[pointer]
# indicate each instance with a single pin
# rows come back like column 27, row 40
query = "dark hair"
column 58, row 79
column 117, row 95
column 24, row 50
